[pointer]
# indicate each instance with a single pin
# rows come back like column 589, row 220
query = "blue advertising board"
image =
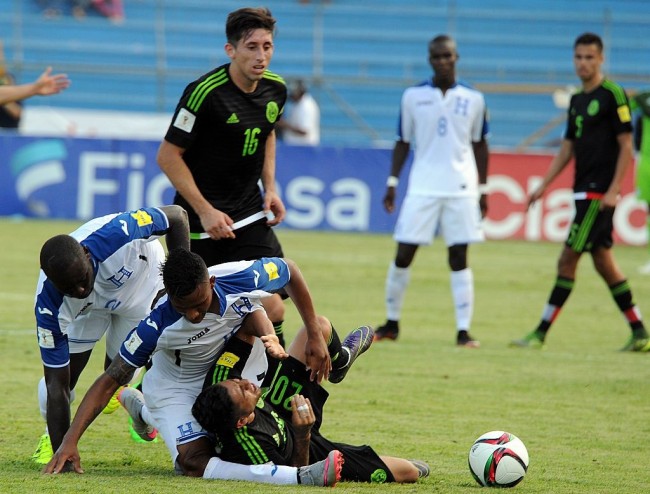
column 323, row 188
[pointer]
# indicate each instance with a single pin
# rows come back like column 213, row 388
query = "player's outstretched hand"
column 273, row 347
column 66, row 459
column 318, row 359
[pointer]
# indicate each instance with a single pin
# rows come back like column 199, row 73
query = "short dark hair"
column 214, row 410
column 182, row 272
column 58, row 254
column 242, row 22
column 442, row 38
column 589, row 39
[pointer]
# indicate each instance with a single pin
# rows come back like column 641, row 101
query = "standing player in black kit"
column 599, row 138
column 221, row 144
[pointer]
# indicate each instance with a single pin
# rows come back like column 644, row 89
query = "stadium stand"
column 356, row 59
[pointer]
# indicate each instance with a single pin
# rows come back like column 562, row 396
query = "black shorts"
column 591, row 227
column 361, row 463
column 251, row 242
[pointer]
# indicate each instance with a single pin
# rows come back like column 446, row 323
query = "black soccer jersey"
column 224, row 133
column 595, row 120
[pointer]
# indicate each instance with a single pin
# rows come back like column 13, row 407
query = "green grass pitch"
column 580, row 405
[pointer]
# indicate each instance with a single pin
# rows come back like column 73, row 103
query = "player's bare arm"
column 170, row 160
column 272, row 201
column 58, row 403
column 179, row 227
column 625, row 156
column 317, row 357
column 97, row 397
column 400, row 153
column 481, row 156
column 559, row 163
column 302, row 419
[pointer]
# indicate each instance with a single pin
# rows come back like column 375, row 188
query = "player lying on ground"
column 183, row 336
column 283, row 427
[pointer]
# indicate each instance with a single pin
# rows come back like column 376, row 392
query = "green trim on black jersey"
column 220, row 374
column 616, row 90
column 273, row 76
column 203, row 89
column 252, row 448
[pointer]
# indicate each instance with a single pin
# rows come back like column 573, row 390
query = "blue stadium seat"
column 369, row 55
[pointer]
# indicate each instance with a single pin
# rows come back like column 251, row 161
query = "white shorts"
column 85, row 331
column 169, row 402
column 456, row 219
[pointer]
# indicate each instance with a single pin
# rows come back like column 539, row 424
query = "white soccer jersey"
column 441, row 129
column 126, row 257
column 182, row 353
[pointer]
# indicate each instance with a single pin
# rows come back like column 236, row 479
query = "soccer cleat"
column 133, row 401
column 357, row 342
column 113, row 404
column 388, row 331
column 637, row 344
column 43, row 453
column 325, row 473
column 534, row 339
column 464, row 339
column 423, row 468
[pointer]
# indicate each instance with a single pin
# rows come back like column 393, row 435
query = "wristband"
column 392, row 181
column 482, row 189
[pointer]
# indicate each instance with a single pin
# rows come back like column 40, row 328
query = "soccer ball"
column 498, row 459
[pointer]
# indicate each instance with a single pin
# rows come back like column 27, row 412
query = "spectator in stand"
column 301, row 125
column 113, row 9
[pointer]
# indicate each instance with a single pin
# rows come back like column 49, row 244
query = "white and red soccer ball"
column 498, row 459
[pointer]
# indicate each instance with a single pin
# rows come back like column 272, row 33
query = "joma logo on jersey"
column 121, row 277
column 198, row 335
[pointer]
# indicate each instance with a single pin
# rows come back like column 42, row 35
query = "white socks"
column 397, row 280
column 268, row 474
column 462, row 291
